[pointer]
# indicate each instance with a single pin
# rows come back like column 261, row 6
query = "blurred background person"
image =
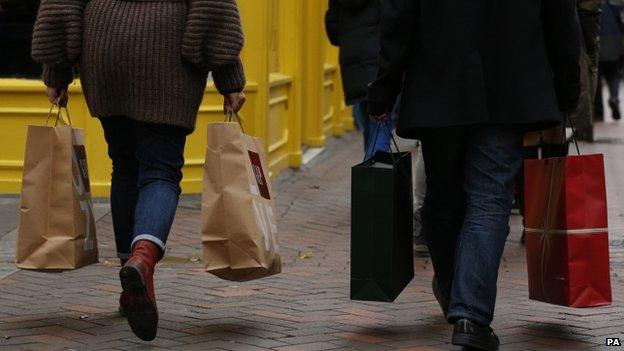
column 589, row 17
column 610, row 66
column 552, row 143
column 353, row 26
column 419, row 181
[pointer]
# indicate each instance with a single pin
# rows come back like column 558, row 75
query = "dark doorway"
column 16, row 23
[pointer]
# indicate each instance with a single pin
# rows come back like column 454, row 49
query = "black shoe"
column 443, row 301
column 615, row 107
column 470, row 334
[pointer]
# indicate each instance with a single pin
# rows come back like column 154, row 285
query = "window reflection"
column 16, row 22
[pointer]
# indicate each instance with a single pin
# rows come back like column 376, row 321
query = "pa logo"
column 613, row 342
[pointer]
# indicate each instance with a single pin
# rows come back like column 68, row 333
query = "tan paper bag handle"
column 230, row 114
column 59, row 115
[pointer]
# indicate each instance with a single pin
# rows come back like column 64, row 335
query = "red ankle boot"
column 137, row 281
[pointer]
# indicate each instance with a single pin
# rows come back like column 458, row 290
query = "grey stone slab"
column 9, row 207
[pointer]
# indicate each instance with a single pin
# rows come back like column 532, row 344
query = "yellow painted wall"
column 294, row 98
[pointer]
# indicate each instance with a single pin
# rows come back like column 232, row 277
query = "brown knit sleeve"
column 57, row 39
column 229, row 78
column 213, row 36
column 59, row 76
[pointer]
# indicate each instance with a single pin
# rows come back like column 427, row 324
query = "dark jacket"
column 589, row 16
column 611, row 30
column 353, row 25
column 512, row 62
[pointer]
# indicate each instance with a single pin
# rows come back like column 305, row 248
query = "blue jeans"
column 470, row 173
column 147, row 170
column 373, row 131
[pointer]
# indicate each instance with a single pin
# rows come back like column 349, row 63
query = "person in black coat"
column 611, row 56
column 353, row 26
column 475, row 76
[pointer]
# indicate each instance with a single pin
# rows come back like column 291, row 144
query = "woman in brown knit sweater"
column 143, row 66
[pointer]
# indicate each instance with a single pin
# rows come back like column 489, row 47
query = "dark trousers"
column 470, row 173
column 147, row 170
column 610, row 71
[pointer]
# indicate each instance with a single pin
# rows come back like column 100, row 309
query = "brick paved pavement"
column 306, row 308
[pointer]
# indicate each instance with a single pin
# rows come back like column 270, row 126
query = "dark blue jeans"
column 147, row 170
column 376, row 137
column 470, row 173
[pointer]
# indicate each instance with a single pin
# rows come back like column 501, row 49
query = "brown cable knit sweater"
column 145, row 59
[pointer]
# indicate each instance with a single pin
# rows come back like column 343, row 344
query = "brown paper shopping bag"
column 239, row 232
column 56, row 225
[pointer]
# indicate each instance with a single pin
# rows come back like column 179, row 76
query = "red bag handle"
column 566, row 117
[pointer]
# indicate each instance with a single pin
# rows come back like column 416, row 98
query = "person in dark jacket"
column 353, row 26
column 475, row 76
column 589, row 17
column 553, row 143
column 610, row 67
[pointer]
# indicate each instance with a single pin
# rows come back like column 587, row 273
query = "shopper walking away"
column 353, row 26
column 144, row 67
column 554, row 143
column 478, row 75
column 610, row 67
column 583, row 118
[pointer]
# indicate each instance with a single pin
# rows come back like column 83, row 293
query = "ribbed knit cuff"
column 57, row 76
column 230, row 78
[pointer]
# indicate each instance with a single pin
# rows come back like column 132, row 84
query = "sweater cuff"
column 380, row 100
column 229, row 78
column 59, row 76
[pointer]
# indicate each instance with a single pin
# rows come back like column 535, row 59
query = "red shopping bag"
column 567, row 242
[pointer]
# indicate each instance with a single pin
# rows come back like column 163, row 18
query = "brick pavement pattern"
column 307, row 307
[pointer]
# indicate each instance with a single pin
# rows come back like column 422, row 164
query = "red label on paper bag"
column 256, row 165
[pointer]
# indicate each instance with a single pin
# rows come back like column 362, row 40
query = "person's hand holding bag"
column 233, row 102
column 57, row 96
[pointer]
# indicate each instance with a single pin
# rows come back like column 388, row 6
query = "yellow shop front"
column 294, row 97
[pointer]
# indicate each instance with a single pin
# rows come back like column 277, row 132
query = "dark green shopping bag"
column 382, row 261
